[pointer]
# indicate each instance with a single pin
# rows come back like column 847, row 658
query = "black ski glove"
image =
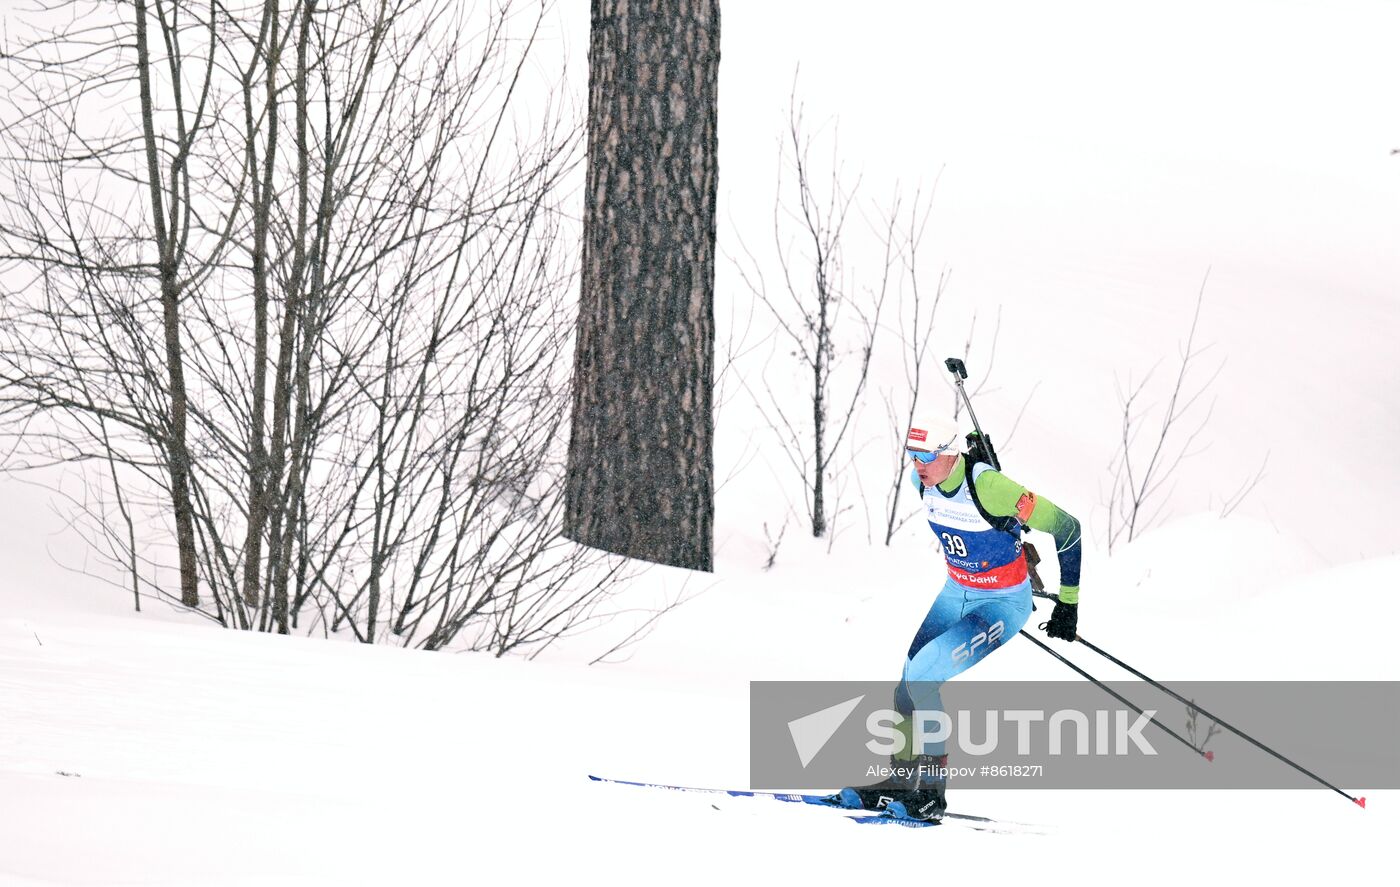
column 1064, row 621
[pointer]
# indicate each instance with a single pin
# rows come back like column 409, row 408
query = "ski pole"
column 1360, row 802
column 959, row 371
column 1209, row 756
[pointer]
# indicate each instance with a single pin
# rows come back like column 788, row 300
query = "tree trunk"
column 177, row 452
column 640, row 478
column 263, row 198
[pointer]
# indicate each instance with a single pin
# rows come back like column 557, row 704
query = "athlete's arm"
column 1003, row 497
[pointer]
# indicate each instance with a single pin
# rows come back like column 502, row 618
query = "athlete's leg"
column 984, row 621
column 946, row 610
column 953, row 626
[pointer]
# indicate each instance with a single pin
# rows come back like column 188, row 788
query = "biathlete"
column 979, row 515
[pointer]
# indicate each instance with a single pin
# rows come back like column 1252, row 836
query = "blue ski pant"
column 962, row 628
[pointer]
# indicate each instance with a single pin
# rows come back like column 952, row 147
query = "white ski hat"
column 933, row 433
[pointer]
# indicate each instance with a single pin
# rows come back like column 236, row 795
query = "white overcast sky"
column 1093, row 160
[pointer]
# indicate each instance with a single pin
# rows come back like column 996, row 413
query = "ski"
column 887, row 819
column 981, row 823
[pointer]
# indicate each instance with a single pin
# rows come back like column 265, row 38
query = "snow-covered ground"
column 157, row 750
column 1094, row 164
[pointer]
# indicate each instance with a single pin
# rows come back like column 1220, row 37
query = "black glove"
column 1064, row 621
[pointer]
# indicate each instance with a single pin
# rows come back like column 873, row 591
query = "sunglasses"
column 921, row 456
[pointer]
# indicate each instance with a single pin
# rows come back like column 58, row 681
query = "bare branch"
column 1136, row 497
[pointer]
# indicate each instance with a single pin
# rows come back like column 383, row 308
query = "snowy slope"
column 198, row 756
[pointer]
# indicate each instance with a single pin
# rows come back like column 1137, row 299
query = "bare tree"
column 916, row 336
column 808, row 230
column 323, row 280
column 1138, row 495
column 1197, row 741
column 640, row 479
column 1139, row 471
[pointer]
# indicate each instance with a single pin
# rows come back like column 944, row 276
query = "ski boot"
column 915, row 790
column 927, row 798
